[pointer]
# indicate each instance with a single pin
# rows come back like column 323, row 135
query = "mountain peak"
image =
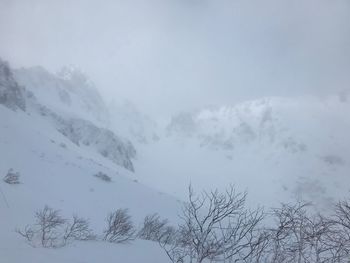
column 75, row 75
column 71, row 71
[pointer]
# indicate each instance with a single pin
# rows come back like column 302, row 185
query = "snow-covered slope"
column 72, row 105
column 57, row 157
column 56, row 172
column 84, row 252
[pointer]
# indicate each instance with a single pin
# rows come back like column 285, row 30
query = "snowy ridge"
column 84, row 133
column 285, row 147
column 69, row 92
column 228, row 127
column 105, row 142
column 78, row 130
column 276, row 123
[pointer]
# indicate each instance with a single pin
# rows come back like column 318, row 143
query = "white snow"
column 276, row 148
column 273, row 147
column 62, row 177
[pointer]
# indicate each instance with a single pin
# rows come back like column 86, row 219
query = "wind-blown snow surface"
column 57, row 133
column 85, row 252
column 56, row 172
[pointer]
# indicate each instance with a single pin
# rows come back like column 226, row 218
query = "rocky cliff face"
column 103, row 141
column 50, row 94
column 11, row 94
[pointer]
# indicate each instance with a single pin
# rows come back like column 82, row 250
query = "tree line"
column 215, row 227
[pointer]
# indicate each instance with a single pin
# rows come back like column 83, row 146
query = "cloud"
column 171, row 55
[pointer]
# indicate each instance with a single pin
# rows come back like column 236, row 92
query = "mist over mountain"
column 275, row 134
column 276, row 148
column 174, row 131
column 162, row 54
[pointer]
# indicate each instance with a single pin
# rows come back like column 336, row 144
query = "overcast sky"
column 170, row 55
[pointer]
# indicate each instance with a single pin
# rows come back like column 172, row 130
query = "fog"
column 172, row 55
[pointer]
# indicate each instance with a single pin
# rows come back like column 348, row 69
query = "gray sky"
column 170, row 55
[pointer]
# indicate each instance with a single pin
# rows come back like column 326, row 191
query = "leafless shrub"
column 103, row 177
column 51, row 230
column 257, row 247
column 78, row 229
column 28, row 233
column 120, row 228
column 341, row 230
column 342, row 216
column 47, row 227
column 288, row 239
column 301, row 237
column 12, row 177
column 49, row 222
column 175, row 243
column 217, row 227
column 168, row 235
column 153, row 227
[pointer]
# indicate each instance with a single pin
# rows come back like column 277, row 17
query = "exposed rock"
column 11, row 94
column 105, row 142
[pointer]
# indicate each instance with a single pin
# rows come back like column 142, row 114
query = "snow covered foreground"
column 62, row 177
column 84, row 252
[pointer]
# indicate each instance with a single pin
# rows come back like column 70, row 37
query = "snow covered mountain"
column 279, row 123
column 59, row 157
column 273, row 147
column 69, row 91
column 73, row 105
column 59, row 135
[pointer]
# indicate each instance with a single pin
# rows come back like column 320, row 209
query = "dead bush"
column 120, row 228
column 51, row 230
column 153, row 227
column 12, row 177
